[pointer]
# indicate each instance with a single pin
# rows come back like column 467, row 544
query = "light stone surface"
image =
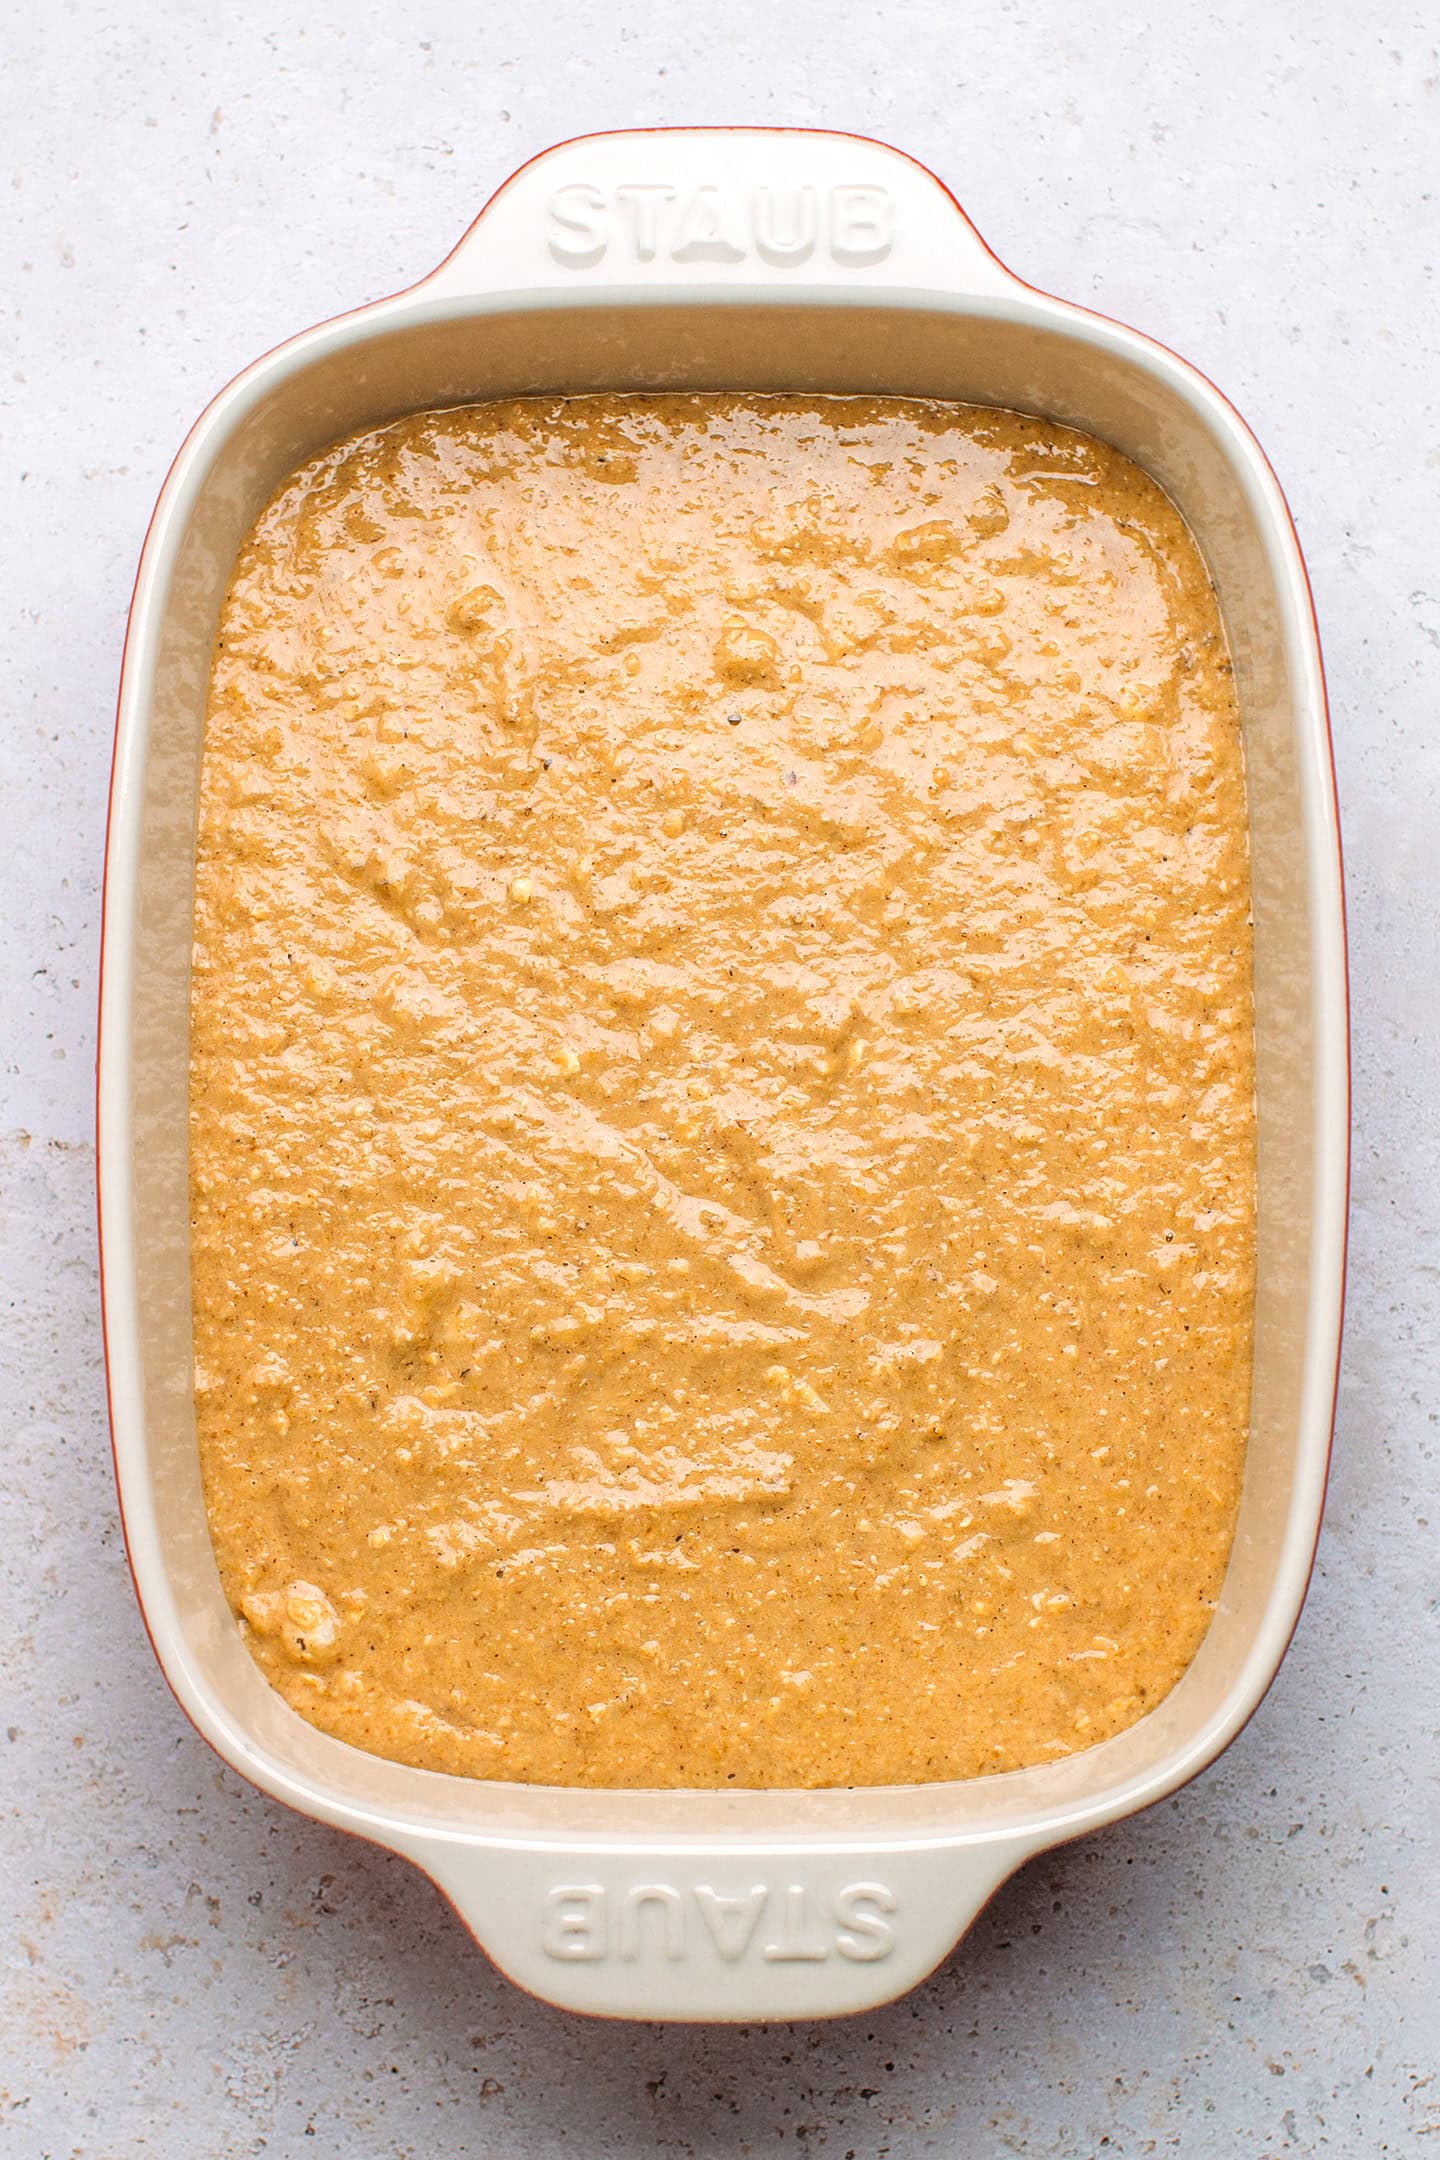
column 191, row 1972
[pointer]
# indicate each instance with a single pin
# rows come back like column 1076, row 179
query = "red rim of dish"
column 1092, row 314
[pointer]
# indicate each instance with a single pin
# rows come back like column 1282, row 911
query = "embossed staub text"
column 646, row 221
column 779, row 1924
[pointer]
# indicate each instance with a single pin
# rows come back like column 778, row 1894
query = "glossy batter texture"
column 722, row 1092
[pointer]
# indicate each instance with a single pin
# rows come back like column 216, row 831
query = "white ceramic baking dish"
column 735, row 259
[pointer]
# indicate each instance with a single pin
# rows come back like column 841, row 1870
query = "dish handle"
column 742, row 212
column 729, row 1934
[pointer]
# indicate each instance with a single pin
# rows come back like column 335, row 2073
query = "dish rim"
column 1324, row 863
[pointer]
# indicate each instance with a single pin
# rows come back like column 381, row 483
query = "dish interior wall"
column 334, row 386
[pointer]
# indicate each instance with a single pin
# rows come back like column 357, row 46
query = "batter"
column 722, row 1154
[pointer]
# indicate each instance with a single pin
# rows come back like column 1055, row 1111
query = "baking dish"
column 729, row 259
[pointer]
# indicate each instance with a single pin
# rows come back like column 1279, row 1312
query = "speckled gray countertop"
column 190, row 1971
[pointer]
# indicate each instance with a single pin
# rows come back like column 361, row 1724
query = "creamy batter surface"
column 722, row 1097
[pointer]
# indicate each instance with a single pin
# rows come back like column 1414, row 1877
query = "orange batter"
column 722, row 1092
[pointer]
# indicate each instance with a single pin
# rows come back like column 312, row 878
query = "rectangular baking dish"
column 727, row 259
